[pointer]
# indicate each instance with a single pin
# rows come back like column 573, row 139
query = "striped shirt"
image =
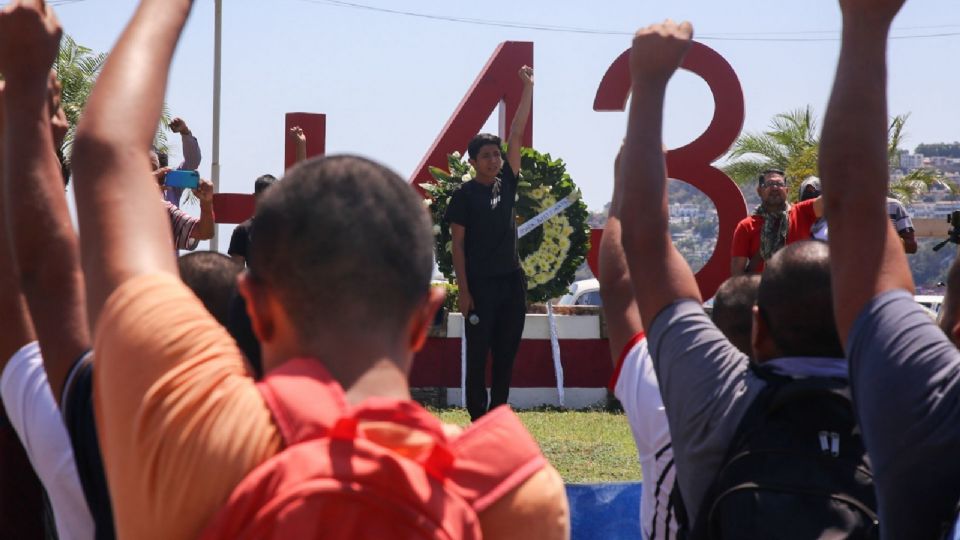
column 635, row 385
column 182, row 225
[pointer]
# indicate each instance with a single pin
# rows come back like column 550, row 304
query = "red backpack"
column 332, row 481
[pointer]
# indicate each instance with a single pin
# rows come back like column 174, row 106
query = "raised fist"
column 297, row 133
column 658, row 50
column 160, row 175
column 526, row 75
column 204, row 191
column 177, row 125
column 29, row 41
column 879, row 11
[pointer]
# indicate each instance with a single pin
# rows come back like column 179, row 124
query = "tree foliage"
column 77, row 70
column 951, row 150
column 792, row 144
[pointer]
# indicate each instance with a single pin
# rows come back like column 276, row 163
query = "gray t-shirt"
column 905, row 375
column 707, row 387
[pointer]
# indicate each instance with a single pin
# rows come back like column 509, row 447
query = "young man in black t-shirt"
column 240, row 239
column 492, row 286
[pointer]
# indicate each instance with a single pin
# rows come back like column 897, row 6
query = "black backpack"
column 796, row 468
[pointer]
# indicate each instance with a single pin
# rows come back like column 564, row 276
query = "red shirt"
column 746, row 237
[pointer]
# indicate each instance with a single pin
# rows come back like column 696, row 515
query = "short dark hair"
column 212, row 277
column 795, row 299
column 346, row 244
column 481, row 140
column 241, row 329
column 763, row 175
column 263, row 182
column 733, row 310
column 162, row 157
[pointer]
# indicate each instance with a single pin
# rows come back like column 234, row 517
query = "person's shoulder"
column 802, row 205
column 507, row 172
column 466, row 187
column 749, row 222
column 887, row 307
column 539, row 504
column 24, row 365
column 894, row 203
column 895, row 207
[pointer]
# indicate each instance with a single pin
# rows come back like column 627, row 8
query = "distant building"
column 909, row 162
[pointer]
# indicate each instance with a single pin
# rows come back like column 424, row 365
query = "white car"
column 585, row 292
column 932, row 303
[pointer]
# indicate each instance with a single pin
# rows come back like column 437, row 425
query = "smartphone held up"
column 182, row 179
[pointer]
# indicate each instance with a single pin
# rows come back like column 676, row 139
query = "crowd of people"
column 218, row 396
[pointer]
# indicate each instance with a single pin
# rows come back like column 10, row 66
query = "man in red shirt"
column 774, row 224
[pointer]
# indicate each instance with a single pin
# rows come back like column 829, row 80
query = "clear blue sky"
column 389, row 82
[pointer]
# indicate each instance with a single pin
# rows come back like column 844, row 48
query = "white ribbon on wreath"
column 463, row 361
column 555, row 351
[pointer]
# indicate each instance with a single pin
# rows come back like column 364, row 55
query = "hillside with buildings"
column 693, row 218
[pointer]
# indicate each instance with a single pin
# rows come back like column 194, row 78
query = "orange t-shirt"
column 746, row 237
column 181, row 421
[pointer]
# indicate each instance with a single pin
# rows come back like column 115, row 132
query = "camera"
column 953, row 218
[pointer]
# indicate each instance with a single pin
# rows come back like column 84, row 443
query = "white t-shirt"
column 36, row 418
column 635, row 385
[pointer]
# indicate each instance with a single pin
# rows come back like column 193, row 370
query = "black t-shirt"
column 77, row 410
column 240, row 239
column 488, row 213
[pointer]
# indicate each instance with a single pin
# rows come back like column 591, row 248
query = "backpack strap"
column 783, row 389
column 304, row 399
column 493, row 456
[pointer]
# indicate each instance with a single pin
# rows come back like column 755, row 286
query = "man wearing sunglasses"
column 774, row 223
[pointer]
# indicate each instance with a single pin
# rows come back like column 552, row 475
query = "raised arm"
column 44, row 245
column 659, row 273
column 301, row 140
column 519, row 123
column 619, row 303
column 207, row 225
column 189, row 144
column 17, row 329
column 124, row 229
column 866, row 255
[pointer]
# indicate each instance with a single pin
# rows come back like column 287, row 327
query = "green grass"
column 584, row 446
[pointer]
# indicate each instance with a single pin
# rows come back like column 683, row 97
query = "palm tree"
column 916, row 182
column 77, row 69
column 792, row 145
column 789, row 145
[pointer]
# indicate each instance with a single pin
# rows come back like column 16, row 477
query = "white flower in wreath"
column 537, row 193
column 456, row 155
column 466, row 177
column 427, row 202
column 436, row 230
